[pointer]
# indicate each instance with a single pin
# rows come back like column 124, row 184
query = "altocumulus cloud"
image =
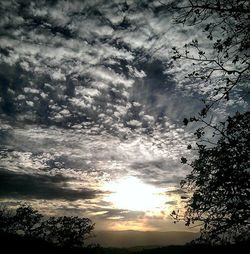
column 26, row 186
column 88, row 94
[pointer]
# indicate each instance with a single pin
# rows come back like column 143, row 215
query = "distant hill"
column 18, row 244
column 130, row 238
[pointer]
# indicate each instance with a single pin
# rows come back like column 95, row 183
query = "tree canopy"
column 220, row 58
column 220, row 186
column 62, row 231
column 219, row 181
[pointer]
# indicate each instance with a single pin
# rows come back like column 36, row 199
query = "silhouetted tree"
column 62, row 231
column 67, row 231
column 223, row 63
column 220, row 185
column 26, row 220
column 220, row 65
column 5, row 219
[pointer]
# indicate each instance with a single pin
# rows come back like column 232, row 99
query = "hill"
column 130, row 238
column 18, row 244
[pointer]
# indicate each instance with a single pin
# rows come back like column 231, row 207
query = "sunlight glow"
column 132, row 194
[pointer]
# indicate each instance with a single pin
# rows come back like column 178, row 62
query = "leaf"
column 203, row 112
column 236, row 59
column 193, row 119
column 207, row 27
column 185, row 121
column 183, row 160
column 227, row 96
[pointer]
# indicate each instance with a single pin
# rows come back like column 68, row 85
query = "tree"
column 5, row 219
column 67, row 231
column 219, row 181
column 220, row 185
column 223, row 64
column 25, row 220
column 63, row 231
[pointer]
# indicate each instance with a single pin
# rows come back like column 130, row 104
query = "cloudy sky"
column 92, row 108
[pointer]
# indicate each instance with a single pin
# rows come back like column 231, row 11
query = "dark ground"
column 17, row 244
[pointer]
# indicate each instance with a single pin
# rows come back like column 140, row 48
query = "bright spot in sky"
column 132, row 194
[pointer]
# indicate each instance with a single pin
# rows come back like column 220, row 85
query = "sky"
column 92, row 108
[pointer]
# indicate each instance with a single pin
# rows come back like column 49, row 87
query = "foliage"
column 25, row 220
column 220, row 185
column 5, row 219
column 219, row 180
column 67, row 231
column 222, row 61
column 62, row 231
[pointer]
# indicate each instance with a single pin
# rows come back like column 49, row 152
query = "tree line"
column 63, row 231
column 219, row 182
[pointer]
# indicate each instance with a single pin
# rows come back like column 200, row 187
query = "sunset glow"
column 132, row 194
column 122, row 112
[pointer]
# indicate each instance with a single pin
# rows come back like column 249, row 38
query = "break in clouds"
column 89, row 95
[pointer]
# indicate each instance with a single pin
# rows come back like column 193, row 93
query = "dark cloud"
column 24, row 186
column 160, row 172
column 96, row 73
column 120, row 214
column 89, row 94
column 177, row 191
column 171, row 203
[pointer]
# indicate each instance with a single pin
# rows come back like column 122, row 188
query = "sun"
column 132, row 194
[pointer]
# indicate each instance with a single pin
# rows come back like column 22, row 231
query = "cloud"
column 160, row 172
column 88, row 95
column 24, row 186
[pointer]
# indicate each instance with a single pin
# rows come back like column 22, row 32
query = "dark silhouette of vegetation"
column 193, row 249
column 61, row 231
column 67, row 231
column 224, row 63
column 17, row 244
column 219, row 181
column 220, row 186
column 67, row 235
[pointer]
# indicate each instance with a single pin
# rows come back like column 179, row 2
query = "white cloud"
column 84, row 70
